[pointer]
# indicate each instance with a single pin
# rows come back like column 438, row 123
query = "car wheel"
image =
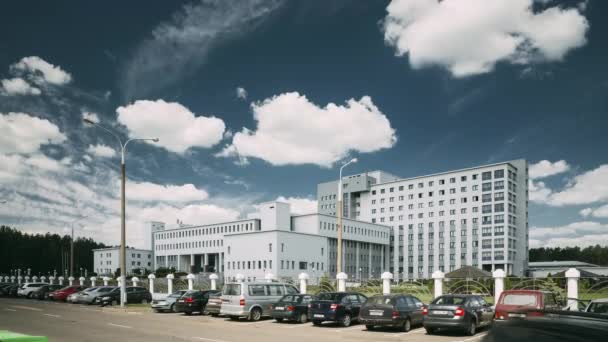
column 471, row 329
column 317, row 323
column 114, row 302
column 255, row 315
column 188, row 313
column 29, row 296
column 278, row 320
column 172, row 308
column 429, row 331
column 303, row 318
column 214, row 315
column 407, row 325
column 234, row 318
column 369, row 327
column 345, row 321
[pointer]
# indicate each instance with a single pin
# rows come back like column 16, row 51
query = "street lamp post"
column 72, row 244
column 123, row 238
column 340, row 208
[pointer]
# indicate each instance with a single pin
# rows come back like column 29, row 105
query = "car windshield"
column 90, row 289
column 232, row 290
column 601, row 308
column 448, row 301
column 519, row 299
column 380, row 300
column 176, row 294
column 330, row 296
column 105, row 289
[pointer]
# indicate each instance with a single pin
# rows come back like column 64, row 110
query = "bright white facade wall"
column 106, row 260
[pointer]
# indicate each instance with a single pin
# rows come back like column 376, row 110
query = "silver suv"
column 252, row 300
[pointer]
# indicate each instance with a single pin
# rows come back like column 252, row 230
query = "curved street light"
column 340, row 209
column 123, row 259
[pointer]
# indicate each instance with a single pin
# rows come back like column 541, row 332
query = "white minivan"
column 252, row 300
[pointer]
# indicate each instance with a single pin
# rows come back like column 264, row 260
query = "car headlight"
column 105, row 298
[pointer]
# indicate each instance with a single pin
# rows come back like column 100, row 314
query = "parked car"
column 400, row 311
column 134, row 295
column 598, row 306
column 26, row 289
column 193, row 301
column 214, row 305
column 521, row 303
column 63, row 293
column 341, row 307
column 9, row 290
column 43, row 291
column 167, row 304
column 461, row 312
column 252, row 300
column 292, row 308
column 89, row 295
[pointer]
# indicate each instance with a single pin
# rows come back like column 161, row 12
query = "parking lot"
column 69, row 322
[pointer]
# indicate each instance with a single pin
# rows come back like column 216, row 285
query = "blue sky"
column 413, row 87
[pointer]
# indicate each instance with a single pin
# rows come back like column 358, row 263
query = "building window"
column 499, row 173
column 486, row 175
column 270, row 247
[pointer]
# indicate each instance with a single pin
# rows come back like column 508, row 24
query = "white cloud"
column 191, row 214
column 177, row 127
column 42, row 70
column 300, row 206
column 586, row 212
column 22, row 133
column 100, row 150
column 545, row 168
column 586, row 233
column 538, row 192
column 90, row 116
column 45, row 163
column 146, row 191
column 588, row 187
column 18, row 86
column 468, row 37
column 293, row 130
column 241, row 93
column 600, row 212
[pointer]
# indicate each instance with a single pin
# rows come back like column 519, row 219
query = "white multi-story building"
column 277, row 243
column 476, row 216
column 106, row 261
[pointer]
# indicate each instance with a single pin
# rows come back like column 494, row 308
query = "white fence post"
column 190, row 278
column 93, row 280
column 61, row 281
column 499, row 284
column 105, row 281
column 213, row 279
column 19, row 279
column 303, row 282
column 341, row 281
column 82, row 279
column 51, row 280
column 27, row 279
column 151, row 278
column 34, row 279
column 386, row 282
column 13, row 279
column 71, row 281
column 170, row 283
column 135, row 280
column 438, row 277
column 573, row 276
column 42, row 279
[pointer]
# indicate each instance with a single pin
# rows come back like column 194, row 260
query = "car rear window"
column 232, row 290
column 519, row 299
column 330, row 296
column 449, row 301
column 288, row 299
column 381, row 300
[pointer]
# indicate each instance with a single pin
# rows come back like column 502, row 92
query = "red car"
column 62, row 294
column 524, row 303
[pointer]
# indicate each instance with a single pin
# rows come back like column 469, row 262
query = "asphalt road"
column 68, row 322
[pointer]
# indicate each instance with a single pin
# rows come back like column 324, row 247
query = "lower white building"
column 106, row 261
column 276, row 243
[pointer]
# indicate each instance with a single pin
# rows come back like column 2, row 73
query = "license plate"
column 439, row 312
column 279, row 308
column 376, row 313
column 318, row 316
column 517, row 315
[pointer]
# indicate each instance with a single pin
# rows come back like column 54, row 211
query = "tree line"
column 44, row 254
column 593, row 254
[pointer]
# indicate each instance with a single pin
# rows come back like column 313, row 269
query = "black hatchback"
column 458, row 312
column 341, row 307
column 400, row 311
column 292, row 308
column 43, row 292
column 194, row 301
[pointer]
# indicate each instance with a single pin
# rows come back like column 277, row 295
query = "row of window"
column 234, row 228
column 352, row 230
column 191, row 244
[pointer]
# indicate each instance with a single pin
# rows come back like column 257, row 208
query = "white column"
column 42, row 279
column 303, row 282
column 499, row 284
column 220, row 267
column 357, row 265
column 438, row 286
column 71, row 281
column 151, row 278
column 396, row 252
column 573, row 276
column 179, row 263
column 105, row 281
column 51, row 280
column 369, row 267
column 60, row 280
column 93, row 279
column 341, row 281
column 213, row 279
column 135, row 280
column 82, row 279
column 170, row 283
column 269, row 277
column 19, row 278
column 191, row 263
column 386, row 282
column 190, row 278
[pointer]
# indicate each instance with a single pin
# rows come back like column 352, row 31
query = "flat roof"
column 206, row 225
column 118, row 247
column 559, row 264
column 344, row 219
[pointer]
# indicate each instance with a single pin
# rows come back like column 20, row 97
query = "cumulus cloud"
column 194, row 214
column 90, row 116
column 545, row 168
column 299, row 205
column 241, row 93
column 179, row 47
column 293, row 130
column 588, row 187
column 600, row 212
column 23, row 133
column 42, row 71
column 18, row 86
column 469, row 37
column 177, row 127
column 585, row 233
column 146, row 191
column 101, row 150
column 45, row 163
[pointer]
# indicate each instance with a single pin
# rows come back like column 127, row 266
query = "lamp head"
column 155, row 139
column 89, row 121
column 354, row 160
